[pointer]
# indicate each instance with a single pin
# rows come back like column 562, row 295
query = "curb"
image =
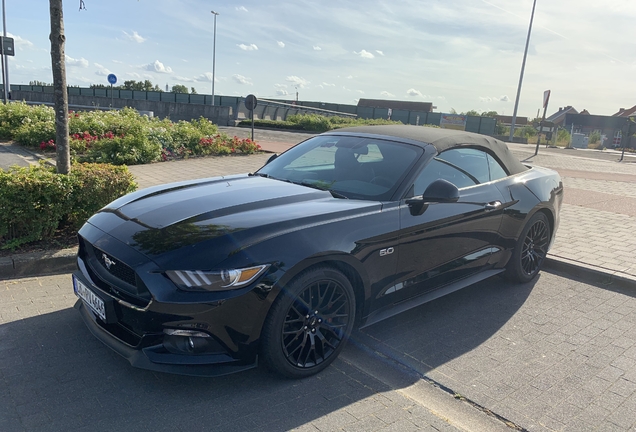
column 591, row 274
column 38, row 264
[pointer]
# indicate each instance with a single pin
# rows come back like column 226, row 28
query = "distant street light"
column 214, row 54
column 523, row 67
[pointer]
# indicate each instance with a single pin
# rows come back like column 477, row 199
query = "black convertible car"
column 345, row 229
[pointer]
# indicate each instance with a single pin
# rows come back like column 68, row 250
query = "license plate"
column 90, row 299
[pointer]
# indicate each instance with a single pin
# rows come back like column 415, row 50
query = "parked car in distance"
column 345, row 229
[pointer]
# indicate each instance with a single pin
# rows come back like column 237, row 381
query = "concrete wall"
column 221, row 115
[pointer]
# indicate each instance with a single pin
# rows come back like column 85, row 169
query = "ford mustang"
column 209, row 276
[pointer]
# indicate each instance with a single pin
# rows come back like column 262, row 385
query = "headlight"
column 215, row 281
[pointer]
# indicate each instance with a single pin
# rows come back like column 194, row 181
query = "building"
column 558, row 118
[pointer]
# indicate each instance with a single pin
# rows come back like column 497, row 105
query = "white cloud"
column 360, row 91
column 183, row 79
column 297, row 81
column 386, row 94
column 281, row 44
column 503, row 98
column 317, row 48
column 135, row 37
column 241, row 79
column 282, row 92
column 157, row 66
column 19, row 42
column 241, row 8
column 380, row 52
column 118, row 62
column 81, row 62
column 206, row 77
column 414, row 93
column 328, row 85
column 280, row 86
column 350, row 77
column 101, row 70
column 365, row 54
column 250, row 47
column 133, row 74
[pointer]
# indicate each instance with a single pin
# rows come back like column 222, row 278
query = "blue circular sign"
column 112, row 78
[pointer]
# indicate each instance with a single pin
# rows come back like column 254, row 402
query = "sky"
column 458, row 54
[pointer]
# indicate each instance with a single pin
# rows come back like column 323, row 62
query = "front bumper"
column 156, row 358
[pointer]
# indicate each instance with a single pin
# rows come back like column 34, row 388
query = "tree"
column 39, row 83
column 58, row 40
column 179, row 88
column 471, row 113
column 489, row 114
column 193, row 90
column 146, row 85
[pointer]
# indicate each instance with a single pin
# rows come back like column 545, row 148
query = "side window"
column 440, row 170
column 496, row 170
column 473, row 162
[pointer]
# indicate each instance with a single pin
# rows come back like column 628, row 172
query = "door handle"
column 493, row 205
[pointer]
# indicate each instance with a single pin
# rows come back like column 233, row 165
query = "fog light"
column 181, row 341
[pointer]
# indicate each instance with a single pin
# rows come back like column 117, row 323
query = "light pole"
column 5, row 63
column 523, row 67
column 214, row 55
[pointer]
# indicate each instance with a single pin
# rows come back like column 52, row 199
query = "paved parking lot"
column 555, row 354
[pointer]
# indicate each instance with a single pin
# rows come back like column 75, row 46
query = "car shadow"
column 430, row 335
column 54, row 375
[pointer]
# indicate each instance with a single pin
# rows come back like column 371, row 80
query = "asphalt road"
column 8, row 158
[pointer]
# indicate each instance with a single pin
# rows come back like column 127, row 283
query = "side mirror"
column 440, row 191
column 271, row 158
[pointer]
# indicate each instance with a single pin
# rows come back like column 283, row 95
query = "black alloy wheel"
column 309, row 323
column 535, row 247
column 531, row 250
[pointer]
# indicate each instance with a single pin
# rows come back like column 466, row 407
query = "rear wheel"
column 309, row 323
column 531, row 250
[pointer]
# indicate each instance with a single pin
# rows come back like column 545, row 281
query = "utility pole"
column 5, row 58
column 523, row 67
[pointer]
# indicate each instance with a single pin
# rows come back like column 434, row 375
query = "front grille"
column 115, row 267
column 120, row 281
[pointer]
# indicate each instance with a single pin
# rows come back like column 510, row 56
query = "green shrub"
column 33, row 133
column 14, row 114
column 127, row 150
column 595, row 137
column 94, row 186
column 35, row 201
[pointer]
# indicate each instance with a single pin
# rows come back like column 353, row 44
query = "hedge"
column 35, row 201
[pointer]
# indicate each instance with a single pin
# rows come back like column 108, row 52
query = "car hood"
column 217, row 216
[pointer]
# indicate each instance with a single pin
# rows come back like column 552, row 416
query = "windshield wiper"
column 259, row 174
column 316, row 186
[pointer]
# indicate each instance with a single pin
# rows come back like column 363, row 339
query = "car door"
column 448, row 241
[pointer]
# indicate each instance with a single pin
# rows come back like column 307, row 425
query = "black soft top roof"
column 442, row 139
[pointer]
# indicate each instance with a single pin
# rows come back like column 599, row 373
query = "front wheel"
column 531, row 250
column 309, row 323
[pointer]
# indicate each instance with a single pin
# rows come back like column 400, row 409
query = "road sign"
column 112, row 79
column 546, row 98
column 250, row 102
column 7, row 46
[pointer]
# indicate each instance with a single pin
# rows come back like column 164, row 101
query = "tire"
column 530, row 251
column 309, row 323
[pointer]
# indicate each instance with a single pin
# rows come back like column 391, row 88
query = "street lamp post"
column 523, row 67
column 5, row 59
column 214, row 55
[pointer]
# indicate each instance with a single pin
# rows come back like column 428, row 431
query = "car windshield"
column 351, row 167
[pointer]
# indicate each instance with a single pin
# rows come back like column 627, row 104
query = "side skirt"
column 397, row 308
